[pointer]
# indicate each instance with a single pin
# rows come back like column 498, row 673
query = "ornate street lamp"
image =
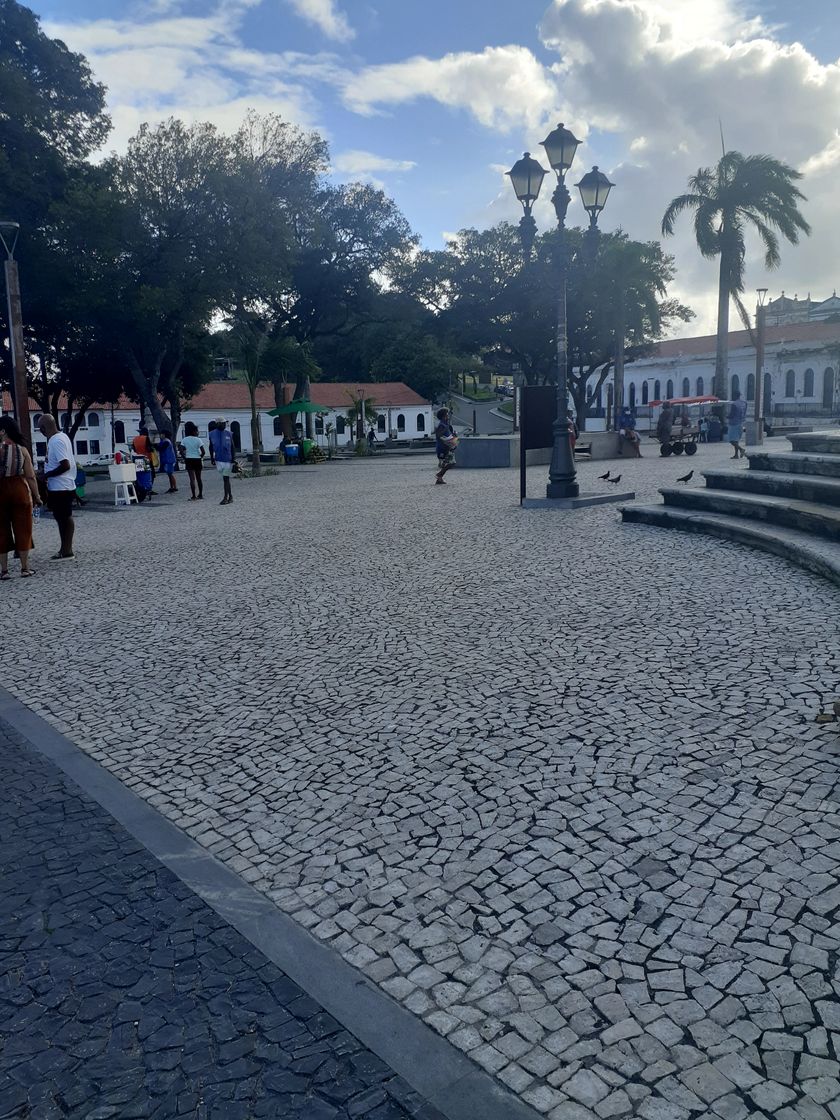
column 8, row 237
column 526, row 177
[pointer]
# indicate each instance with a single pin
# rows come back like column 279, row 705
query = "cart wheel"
column 691, row 449
column 665, row 450
column 677, row 448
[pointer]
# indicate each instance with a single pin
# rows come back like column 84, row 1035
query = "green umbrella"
column 296, row 406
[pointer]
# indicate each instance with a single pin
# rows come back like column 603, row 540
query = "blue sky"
column 434, row 99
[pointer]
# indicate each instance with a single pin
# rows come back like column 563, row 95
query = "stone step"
column 811, row 553
column 795, row 462
column 810, row 517
column 823, row 443
column 799, row 487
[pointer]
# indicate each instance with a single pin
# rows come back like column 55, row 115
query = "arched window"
column 319, row 425
column 701, row 387
column 669, row 389
column 35, row 419
column 278, row 425
column 340, row 424
column 808, row 390
column 657, row 391
column 421, row 422
column 644, row 392
column 400, row 423
column 734, row 385
column 686, row 389
column 790, row 383
column 751, row 387
column 632, row 395
column 380, row 423
column 236, row 432
column 119, row 431
column 93, row 419
column 828, row 388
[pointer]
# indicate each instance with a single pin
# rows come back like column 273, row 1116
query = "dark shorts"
column 193, row 465
column 446, row 458
column 60, row 503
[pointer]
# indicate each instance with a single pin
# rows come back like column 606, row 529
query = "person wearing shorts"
column 60, row 473
column 193, row 454
column 223, row 451
column 445, row 444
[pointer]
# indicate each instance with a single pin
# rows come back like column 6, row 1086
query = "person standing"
column 665, row 424
column 737, row 413
column 168, row 462
column 445, row 443
column 142, row 445
column 193, row 454
column 222, row 451
column 18, row 494
column 60, row 473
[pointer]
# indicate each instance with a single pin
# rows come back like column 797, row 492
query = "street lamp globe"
column 594, row 190
column 526, row 177
column 560, row 147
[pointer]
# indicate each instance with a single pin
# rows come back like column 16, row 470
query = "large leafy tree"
column 739, row 194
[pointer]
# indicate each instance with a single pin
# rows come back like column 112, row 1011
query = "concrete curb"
column 432, row 1066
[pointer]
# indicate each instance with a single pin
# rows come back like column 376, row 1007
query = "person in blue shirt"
column 627, row 432
column 223, row 452
column 168, row 462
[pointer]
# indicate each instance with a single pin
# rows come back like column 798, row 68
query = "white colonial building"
column 801, row 373
column 401, row 415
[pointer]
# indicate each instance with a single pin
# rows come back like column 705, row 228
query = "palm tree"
column 742, row 191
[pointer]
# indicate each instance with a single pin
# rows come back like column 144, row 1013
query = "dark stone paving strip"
column 123, row 995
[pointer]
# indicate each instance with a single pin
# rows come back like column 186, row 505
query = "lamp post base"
column 562, row 490
column 580, row 501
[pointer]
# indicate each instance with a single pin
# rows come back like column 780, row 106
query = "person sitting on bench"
column 627, row 432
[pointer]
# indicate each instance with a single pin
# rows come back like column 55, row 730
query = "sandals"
column 5, row 575
column 27, row 574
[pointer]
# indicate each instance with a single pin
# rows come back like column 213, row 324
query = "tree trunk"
column 147, row 388
column 256, row 442
column 721, row 380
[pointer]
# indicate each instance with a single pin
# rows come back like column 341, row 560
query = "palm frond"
column 676, row 207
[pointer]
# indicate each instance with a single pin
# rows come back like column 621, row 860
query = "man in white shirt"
column 60, row 473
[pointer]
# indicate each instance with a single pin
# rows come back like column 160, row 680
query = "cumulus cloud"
column 357, row 162
column 326, row 16
column 195, row 68
column 503, row 87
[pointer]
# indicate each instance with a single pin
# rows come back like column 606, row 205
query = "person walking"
column 737, row 414
column 222, row 452
column 445, row 443
column 60, row 473
column 168, row 462
column 18, row 495
column 193, row 454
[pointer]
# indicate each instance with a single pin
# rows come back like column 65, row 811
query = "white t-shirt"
column 60, row 448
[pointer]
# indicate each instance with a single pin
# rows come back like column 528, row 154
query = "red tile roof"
column 221, row 395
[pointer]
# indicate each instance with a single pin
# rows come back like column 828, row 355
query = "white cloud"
column 361, row 163
column 503, row 87
column 326, row 16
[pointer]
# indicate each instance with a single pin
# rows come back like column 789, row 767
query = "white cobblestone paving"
column 552, row 781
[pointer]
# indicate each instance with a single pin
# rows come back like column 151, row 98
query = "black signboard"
column 537, row 412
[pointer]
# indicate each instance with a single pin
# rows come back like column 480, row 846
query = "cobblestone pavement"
column 550, row 780
column 123, row 995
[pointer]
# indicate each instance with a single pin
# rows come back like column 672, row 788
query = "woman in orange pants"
column 18, row 494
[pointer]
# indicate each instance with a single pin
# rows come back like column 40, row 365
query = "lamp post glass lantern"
column 526, row 177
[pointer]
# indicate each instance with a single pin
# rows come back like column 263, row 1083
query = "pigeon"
column 604, row 477
column 616, row 479
column 686, row 477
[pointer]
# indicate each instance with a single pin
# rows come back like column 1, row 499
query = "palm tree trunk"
column 722, row 351
column 255, row 430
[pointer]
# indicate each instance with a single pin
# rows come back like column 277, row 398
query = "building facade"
column 401, row 415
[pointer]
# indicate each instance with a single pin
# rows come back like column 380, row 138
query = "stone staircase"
column 788, row 503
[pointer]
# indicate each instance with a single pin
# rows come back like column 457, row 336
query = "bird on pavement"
column 604, row 477
column 686, row 477
column 616, row 479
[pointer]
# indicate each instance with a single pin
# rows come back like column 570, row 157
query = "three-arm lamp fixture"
column 526, row 176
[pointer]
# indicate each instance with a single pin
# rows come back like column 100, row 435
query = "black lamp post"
column 758, row 394
column 526, row 176
column 20, row 393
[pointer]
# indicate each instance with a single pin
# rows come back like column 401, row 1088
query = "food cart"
column 688, row 414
